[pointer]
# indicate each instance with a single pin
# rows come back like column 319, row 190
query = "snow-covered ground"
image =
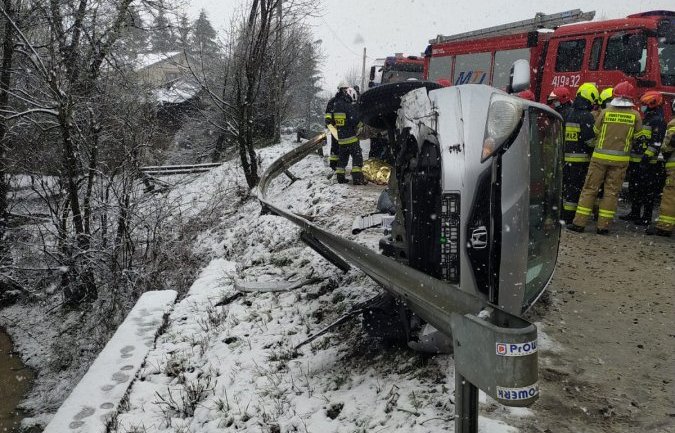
column 228, row 362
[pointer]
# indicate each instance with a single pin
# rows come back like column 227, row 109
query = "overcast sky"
column 384, row 27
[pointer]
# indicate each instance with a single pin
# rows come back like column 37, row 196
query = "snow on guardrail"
column 97, row 396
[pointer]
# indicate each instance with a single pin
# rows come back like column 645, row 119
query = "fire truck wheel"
column 378, row 105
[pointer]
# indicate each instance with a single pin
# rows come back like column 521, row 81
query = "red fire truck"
column 639, row 48
column 396, row 68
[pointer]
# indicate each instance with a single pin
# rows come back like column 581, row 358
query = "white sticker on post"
column 516, row 349
column 518, row 393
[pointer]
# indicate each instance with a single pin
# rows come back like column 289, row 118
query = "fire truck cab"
column 639, row 48
column 396, row 68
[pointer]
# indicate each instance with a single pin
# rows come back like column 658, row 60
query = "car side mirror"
column 520, row 76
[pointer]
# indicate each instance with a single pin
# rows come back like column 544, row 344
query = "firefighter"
column 644, row 172
column 345, row 119
column 334, row 149
column 560, row 99
column 526, row 94
column 606, row 97
column 579, row 137
column 666, row 220
column 615, row 128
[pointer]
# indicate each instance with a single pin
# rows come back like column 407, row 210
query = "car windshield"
column 542, row 252
column 667, row 61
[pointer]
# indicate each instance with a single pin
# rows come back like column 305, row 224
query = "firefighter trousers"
column 353, row 150
column 574, row 174
column 334, row 153
column 666, row 219
column 612, row 177
column 646, row 184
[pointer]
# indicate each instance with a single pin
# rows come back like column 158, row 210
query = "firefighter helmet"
column 652, row 99
column 352, row 94
column 343, row 85
column 589, row 92
column 606, row 95
column 624, row 90
column 560, row 94
column 526, row 94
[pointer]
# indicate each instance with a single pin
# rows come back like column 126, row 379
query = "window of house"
column 570, row 55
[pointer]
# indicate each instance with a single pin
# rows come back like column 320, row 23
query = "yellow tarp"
column 376, row 171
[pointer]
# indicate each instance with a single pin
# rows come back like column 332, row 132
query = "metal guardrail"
column 434, row 300
column 169, row 170
column 496, row 352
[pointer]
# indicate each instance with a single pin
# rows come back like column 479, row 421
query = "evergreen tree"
column 163, row 38
column 203, row 35
column 134, row 34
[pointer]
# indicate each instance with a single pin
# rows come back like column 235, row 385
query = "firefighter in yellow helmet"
column 615, row 129
column 666, row 220
column 579, row 138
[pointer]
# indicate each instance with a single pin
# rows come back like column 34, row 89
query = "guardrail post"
column 497, row 354
column 466, row 405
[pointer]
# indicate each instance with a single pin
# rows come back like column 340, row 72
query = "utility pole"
column 363, row 72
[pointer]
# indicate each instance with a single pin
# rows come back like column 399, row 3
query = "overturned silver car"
column 476, row 184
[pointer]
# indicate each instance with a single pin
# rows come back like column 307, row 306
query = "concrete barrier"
column 97, row 396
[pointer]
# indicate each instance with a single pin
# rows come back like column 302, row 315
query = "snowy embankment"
column 227, row 361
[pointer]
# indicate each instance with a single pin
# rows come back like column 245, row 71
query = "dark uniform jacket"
column 345, row 118
column 579, row 133
column 654, row 127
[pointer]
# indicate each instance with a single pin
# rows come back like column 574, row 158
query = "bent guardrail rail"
column 496, row 352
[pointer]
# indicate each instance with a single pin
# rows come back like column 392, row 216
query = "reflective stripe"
column 340, row 171
column 670, row 164
column 606, row 213
column 584, row 210
column 572, row 131
column 328, row 115
column 356, row 169
column 635, row 157
column 666, row 219
column 333, row 158
column 651, row 151
column 350, row 140
column 577, row 157
column 340, row 119
column 643, row 133
column 611, row 155
column 569, row 206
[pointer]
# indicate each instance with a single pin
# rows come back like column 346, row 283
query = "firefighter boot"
column 651, row 230
column 358, row 179
column 631, row 216
column 341, row 178
column 646, row 218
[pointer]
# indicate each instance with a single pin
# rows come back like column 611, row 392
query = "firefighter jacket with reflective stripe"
column 654, row 127
column 329, row 112
column 615, row 130
column 579, row 132
column 345, row 118
column 668, row 147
